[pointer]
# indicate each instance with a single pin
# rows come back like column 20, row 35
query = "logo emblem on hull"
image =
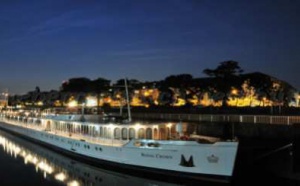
column 213, row 159
column 185, row 163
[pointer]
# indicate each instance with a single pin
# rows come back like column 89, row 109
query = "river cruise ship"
column 162, row 149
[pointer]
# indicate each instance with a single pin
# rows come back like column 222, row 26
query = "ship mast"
column 127, row 100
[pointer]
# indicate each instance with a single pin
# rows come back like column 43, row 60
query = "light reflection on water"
column 65, row 171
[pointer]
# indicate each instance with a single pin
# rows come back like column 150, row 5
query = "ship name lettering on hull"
column 158, row 156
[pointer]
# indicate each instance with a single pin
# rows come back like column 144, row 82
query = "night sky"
column 44, row 42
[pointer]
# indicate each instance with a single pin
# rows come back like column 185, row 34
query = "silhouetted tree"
column 182, row 82
column 80, row 84
column 166, row 97
column 226, row 77
column 179, row 81
column 288, row 94
column 37, row 89
column 225, row 69
column 100, row 86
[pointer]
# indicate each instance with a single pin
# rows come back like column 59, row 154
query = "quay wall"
column 229, row 126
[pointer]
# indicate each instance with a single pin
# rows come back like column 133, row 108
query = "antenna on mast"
column 127, row 100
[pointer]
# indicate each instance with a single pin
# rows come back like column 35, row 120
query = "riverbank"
column 261, row 110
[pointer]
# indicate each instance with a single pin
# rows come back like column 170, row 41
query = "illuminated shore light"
column 240, row 96
column 72, row 104
column 91, row 102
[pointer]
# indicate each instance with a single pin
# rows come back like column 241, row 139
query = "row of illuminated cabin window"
column 99, row 131
column 108, row 132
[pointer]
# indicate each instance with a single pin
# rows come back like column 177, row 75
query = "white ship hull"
column 65, row 170
column 177, row 158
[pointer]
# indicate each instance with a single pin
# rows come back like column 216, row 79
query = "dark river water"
column 24, row 163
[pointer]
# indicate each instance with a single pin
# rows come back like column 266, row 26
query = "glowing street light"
column 234, row 91
column 73, row 104
column 91, row 102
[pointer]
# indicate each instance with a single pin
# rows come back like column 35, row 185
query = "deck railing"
column 263, row 119
column 20, row 122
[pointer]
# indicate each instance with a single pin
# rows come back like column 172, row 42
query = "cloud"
column 63, row 22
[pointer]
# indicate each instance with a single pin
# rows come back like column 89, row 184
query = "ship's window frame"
column 131, row 133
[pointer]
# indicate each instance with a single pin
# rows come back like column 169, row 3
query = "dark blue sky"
column 43, row 42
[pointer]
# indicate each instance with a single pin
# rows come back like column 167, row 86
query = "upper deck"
column 108, row 133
